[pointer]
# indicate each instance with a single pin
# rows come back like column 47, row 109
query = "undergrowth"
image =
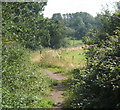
column 23, row 84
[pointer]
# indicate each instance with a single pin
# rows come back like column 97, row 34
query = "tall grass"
column 64, row 58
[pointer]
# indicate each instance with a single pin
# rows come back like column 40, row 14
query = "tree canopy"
column 80, row 22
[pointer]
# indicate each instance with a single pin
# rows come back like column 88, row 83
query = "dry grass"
column 67, row 58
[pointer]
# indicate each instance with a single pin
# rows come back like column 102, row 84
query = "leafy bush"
column 21, row 22
column 98, row 85
column 23, row 84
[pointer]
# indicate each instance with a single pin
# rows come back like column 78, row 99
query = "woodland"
column 74, row 51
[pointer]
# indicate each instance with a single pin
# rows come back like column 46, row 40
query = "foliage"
column 80, row 22
column 98, row 85
column 23, row 26
column 23, row 85
column 57, row 32
column 57, row 17
column 20, row 21
column 24, row 22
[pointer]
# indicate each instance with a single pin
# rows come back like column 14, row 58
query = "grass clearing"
column 61, row 60
column 76, row 57
column 75, row 42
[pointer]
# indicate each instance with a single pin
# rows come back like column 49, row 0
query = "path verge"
column 57, row 93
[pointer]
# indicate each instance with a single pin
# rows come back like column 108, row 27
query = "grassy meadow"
column 75, row 42
column 60, row 60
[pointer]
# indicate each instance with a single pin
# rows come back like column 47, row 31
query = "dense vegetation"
column 24, row 29
column 98, row 85
column 24, row 22
column 23, row 85
column 77, row 25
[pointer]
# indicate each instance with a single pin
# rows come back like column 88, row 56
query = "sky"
column 71, row 6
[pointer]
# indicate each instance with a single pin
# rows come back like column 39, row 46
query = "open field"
column 75, row 42
column 65, row 58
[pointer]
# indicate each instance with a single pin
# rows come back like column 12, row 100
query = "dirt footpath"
column 57, row 94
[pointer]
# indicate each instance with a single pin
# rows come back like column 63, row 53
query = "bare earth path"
column 57, row 95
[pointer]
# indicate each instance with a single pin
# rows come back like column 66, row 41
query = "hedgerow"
column 23, row 86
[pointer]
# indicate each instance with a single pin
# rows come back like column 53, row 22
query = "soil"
column 57, row 94
column 54, row 76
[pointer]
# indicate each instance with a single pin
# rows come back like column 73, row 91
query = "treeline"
column 78, row 24
column 25, row 23
column 98, row 84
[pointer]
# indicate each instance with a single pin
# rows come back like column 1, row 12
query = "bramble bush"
column 98, row 84
column 22, row 83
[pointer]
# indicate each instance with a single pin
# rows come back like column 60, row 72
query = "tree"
column 22, row 22
column 57, row 34
column 57, row 17
column 81, row 22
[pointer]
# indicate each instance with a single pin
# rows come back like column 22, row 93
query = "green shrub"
column 23, row 84
column 98, row 85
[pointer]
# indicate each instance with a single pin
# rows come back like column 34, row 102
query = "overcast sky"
column 72, row 6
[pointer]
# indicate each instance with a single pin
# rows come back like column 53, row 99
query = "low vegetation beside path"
column 24, row 86
column 57, row 64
